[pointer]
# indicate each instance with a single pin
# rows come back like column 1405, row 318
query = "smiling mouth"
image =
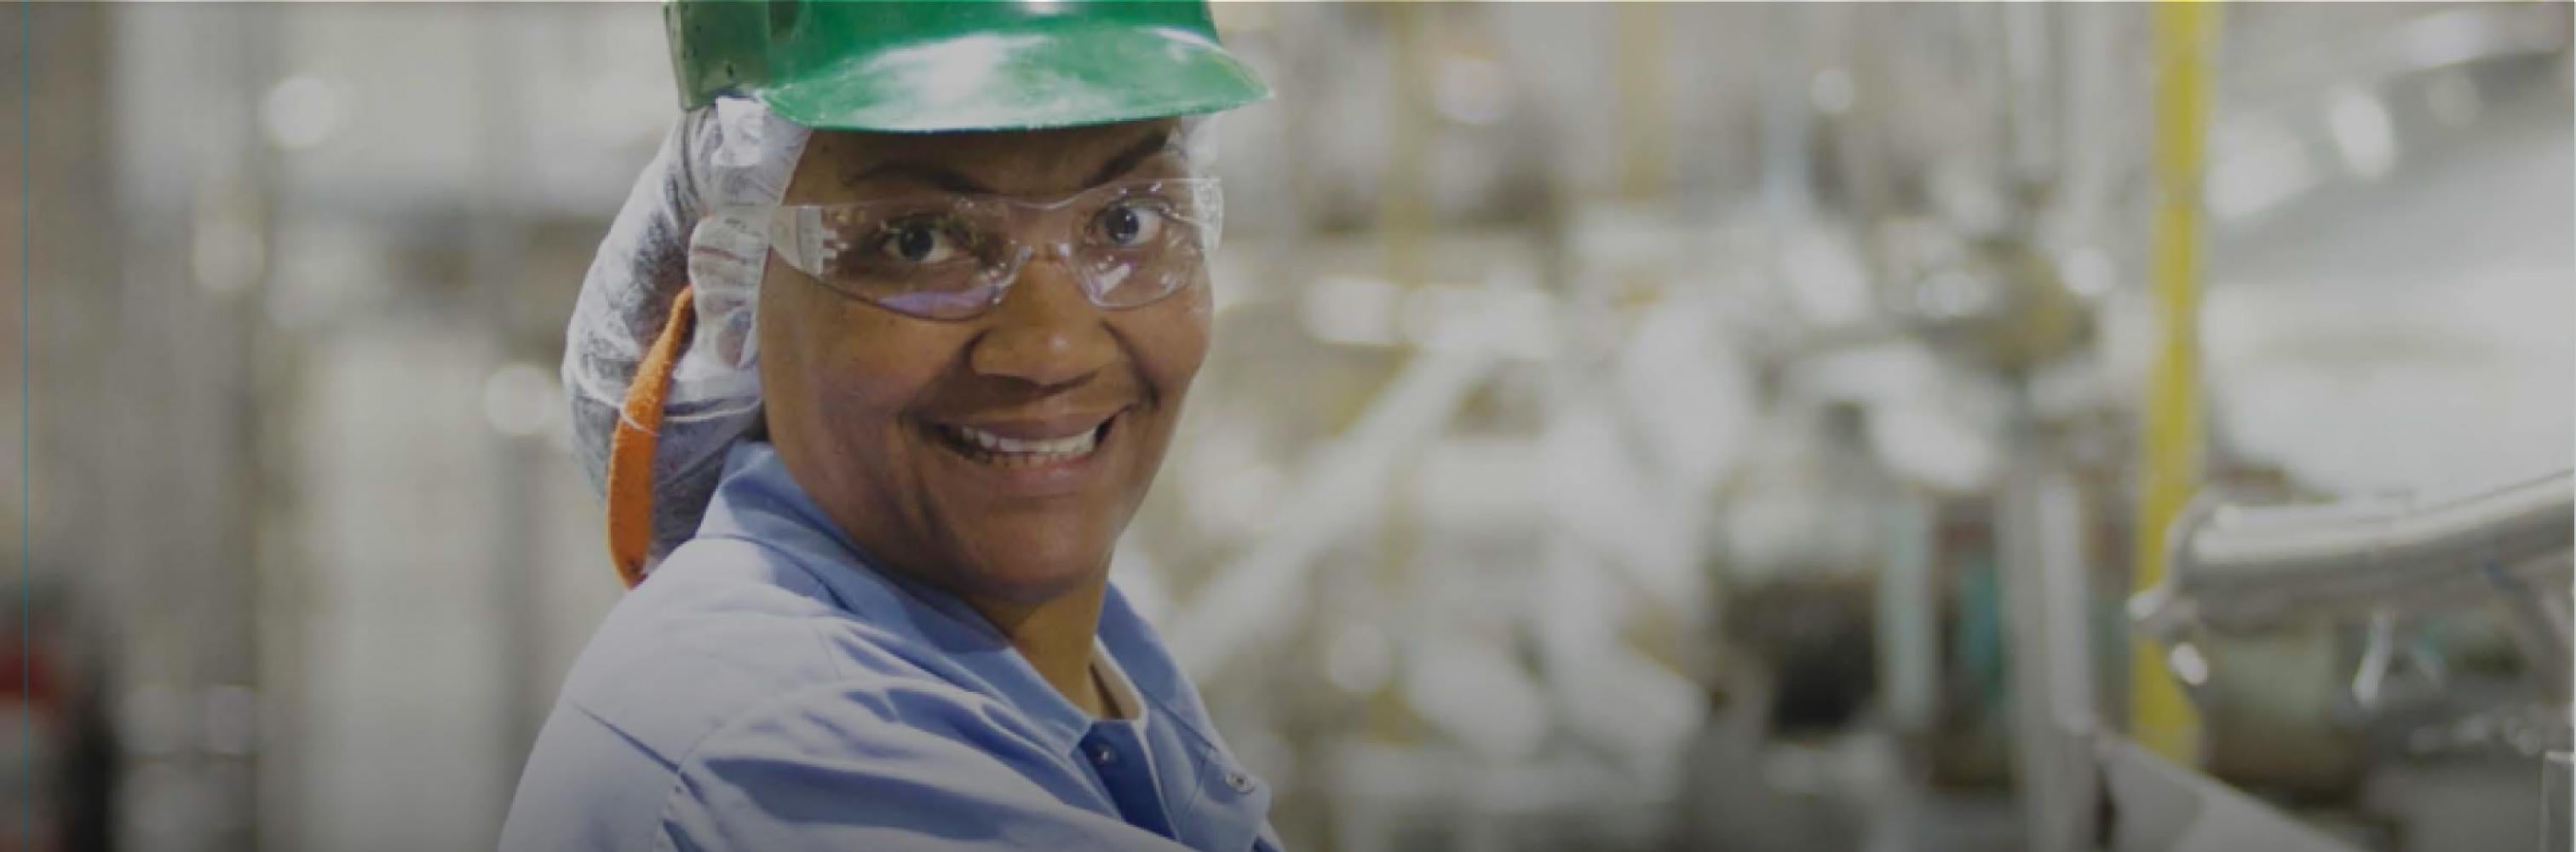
column 988, row 448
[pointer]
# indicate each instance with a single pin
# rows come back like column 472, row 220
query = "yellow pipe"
column 2169, row 471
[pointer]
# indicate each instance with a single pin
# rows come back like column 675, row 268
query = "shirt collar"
column 1124, row 705
column 759, row 501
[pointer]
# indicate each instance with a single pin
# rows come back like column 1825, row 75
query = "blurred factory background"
column 1631, row 427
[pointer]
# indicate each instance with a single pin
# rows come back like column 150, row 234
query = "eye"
column 918, row 241
column 1128, row 224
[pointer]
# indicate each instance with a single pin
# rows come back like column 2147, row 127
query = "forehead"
column 844, row 165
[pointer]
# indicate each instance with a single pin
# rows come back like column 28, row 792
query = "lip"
column 1048, row 479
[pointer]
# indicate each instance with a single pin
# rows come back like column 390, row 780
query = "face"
column 952, row 450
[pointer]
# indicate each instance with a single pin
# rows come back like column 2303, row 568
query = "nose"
column 1044, row 332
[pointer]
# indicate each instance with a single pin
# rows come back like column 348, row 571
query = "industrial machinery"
column 2237, row 568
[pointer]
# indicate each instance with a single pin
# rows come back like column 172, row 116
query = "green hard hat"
column 943, row 65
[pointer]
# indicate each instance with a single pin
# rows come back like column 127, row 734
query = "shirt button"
column 1101, row 754
column 1236, row 779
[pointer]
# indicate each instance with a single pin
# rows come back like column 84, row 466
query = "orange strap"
column 630, row 450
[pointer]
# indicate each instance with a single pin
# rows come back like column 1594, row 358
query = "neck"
column 1055, row 636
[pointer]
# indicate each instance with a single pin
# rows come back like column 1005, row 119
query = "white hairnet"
column 731, row 153
column 675, row 231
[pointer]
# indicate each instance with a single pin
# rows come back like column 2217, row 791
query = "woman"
column 947, row 290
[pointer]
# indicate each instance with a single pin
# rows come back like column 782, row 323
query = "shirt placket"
column 1120, row 763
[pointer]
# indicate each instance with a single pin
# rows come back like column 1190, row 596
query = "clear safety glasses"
column 948, row 256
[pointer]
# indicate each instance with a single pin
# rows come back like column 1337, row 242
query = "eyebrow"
column 952, row 180
column 1135, row 154
column 937, row 176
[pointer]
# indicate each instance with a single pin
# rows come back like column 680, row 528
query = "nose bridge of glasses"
column 1030, row 260
column 1056, row 252
column 1014, row 264
column 1053, row 221
column 1048, row 228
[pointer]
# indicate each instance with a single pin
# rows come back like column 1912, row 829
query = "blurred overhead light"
column 1245, row 503
column 1434, row 316
column 1831, row 91
column 1954, row 294
column 1885, row 370
column 2187, row 664
column 1232, row 489
column 1825, row 278
column 1933, row 446
column 1472, row 90
column 300, row 113
column 1477, row 694
column 2089, row 273
column 1694, row 396
column 1351, row 310
column 520, row 399
column 1453, row 318
column 2362, row 132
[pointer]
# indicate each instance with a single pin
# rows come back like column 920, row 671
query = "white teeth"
column 1050, row 449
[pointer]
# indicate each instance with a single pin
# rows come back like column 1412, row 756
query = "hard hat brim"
column 1021, row 81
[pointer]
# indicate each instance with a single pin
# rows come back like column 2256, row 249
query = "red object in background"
column 33, row 679
column 32, row 674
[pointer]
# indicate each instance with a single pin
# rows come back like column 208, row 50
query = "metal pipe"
column 2040, row 527
column 2235, row 567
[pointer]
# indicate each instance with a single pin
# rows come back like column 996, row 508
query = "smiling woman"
column 996, row 455
column 939, row 341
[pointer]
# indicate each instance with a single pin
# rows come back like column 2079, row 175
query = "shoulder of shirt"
column 728, row 628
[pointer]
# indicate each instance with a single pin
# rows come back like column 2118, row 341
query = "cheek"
column 853, row 367
column 1170, row 341
column 868, row 376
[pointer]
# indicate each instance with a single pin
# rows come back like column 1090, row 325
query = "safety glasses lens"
column 950, row 257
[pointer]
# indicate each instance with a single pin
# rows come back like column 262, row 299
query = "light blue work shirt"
column 767, row 690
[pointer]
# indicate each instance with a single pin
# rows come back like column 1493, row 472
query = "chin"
column 1035, row 573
